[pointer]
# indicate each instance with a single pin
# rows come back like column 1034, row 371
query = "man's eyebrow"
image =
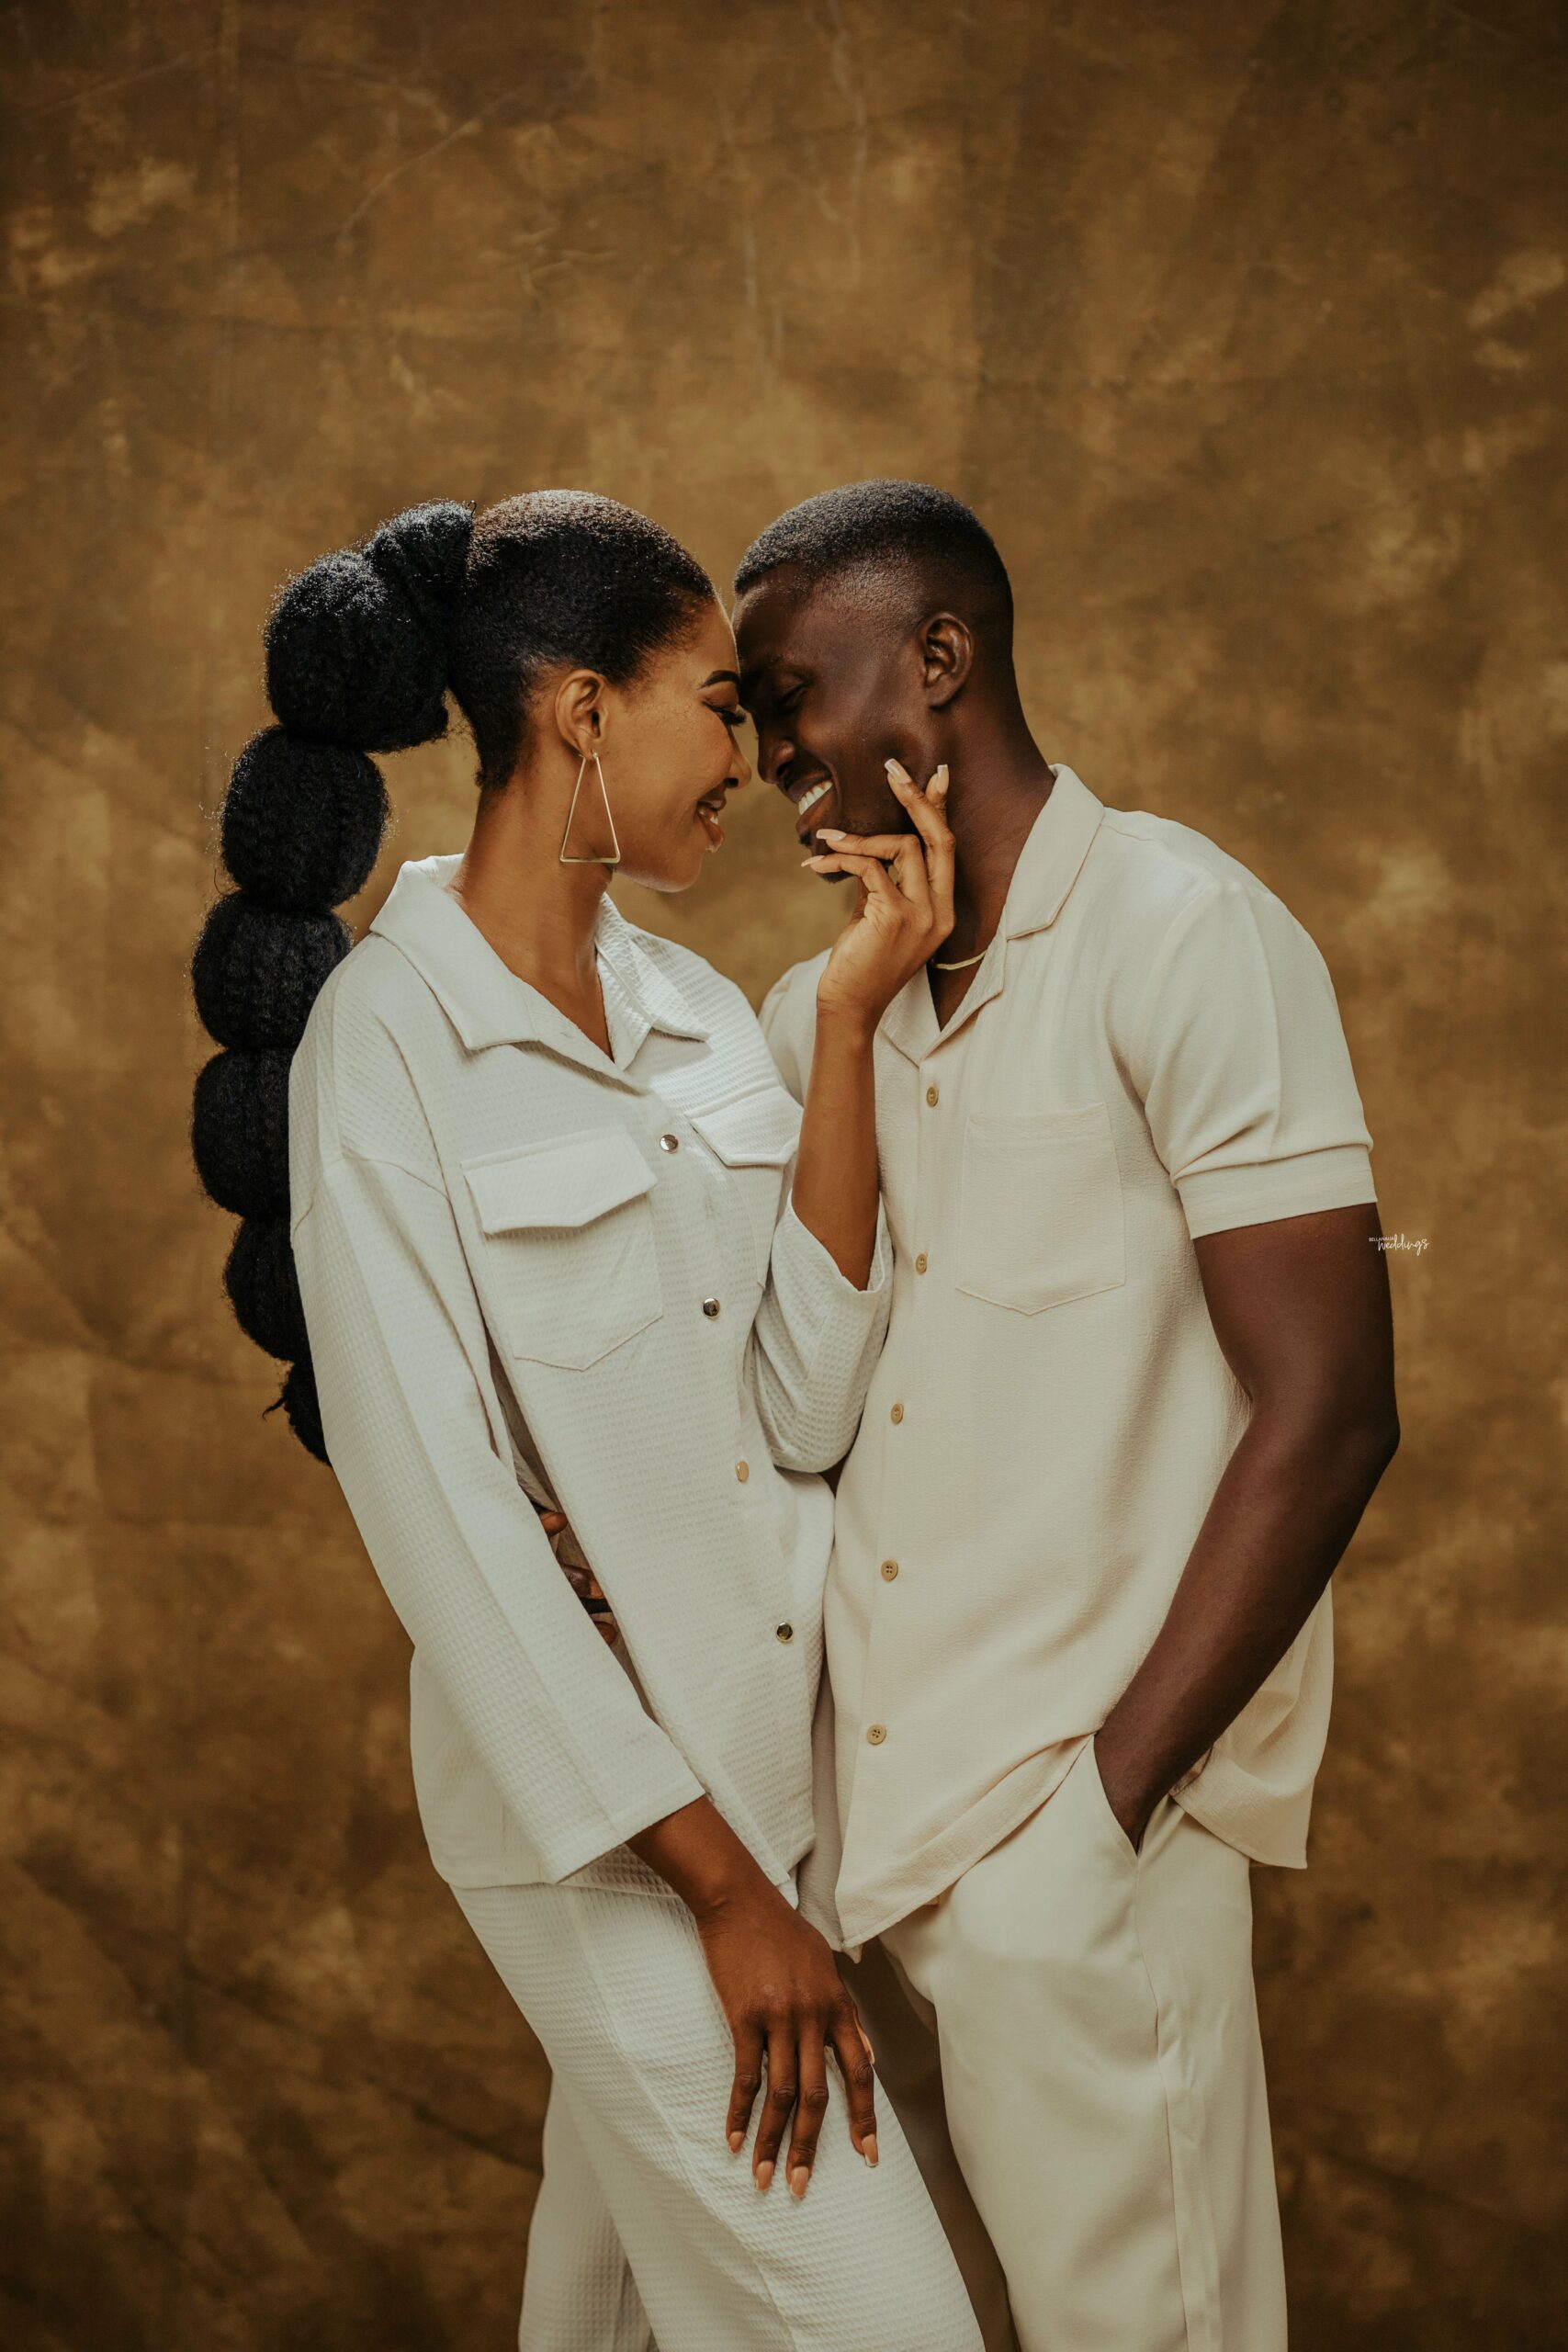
column 723, row 678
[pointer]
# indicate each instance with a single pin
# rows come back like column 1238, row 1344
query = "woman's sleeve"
column 395, row 1340
column 817, row 1337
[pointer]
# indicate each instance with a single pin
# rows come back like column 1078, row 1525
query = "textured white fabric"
column 505, row 1267
column 1104, row 2076
column 1150, row 1050
column 615, row 1988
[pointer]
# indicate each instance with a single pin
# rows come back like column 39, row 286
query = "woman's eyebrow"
column 723, row 678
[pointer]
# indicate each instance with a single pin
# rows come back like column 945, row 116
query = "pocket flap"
column 568, row 1182
column 756, row 1131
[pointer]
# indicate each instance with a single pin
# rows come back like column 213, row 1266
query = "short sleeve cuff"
column 1216, row 1199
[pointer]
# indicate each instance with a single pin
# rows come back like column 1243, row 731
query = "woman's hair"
column 362, row 650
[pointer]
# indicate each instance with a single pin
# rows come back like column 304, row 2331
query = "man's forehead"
column 781, row 626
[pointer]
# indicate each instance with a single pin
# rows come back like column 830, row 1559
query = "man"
column 1136, row 1393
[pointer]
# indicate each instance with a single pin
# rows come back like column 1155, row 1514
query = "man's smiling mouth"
column 812, row 797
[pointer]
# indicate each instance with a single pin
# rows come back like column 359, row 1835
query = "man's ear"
column 947, row 656
column 580, row 711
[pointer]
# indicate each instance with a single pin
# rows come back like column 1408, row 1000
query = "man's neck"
column 1000, row 781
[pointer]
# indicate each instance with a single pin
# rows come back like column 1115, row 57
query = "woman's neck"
column 539, row 916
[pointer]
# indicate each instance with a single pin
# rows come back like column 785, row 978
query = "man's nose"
column 775, row 753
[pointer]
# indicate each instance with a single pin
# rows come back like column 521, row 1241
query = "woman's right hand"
column 787, row 2002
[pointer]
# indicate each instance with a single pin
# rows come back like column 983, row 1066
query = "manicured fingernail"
column 897, row 769
column 764, row 2175
column 830, row 833
column 868, row 2147
column 939, row 781
column 737, row 2142
column 800, row 2181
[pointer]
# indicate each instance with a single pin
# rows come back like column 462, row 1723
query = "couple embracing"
column 1041, row 1203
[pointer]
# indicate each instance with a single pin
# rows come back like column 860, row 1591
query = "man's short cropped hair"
column 899, row 536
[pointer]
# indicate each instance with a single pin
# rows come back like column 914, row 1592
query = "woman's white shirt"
column 529, row 1267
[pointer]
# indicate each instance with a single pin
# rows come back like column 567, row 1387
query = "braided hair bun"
column 356, row 661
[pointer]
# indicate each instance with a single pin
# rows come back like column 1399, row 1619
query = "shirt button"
column 921, row 1263
column 934, row 1095
column 897, row 1414
column 784, row 1632
column 668, row 1143
column 743, row 1471
column 710, row 1307
column 877, row 1734
column 890, row 1570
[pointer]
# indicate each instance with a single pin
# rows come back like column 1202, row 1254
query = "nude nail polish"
column 869, row 2149
column 800, row 2181
column 764, row 2175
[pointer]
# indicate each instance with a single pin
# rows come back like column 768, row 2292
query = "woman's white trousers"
column 614, row 1986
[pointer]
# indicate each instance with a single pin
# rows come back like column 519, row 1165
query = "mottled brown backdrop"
column 1244, row 328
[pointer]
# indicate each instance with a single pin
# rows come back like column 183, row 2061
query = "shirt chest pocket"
column 754, row 1140
column 570, row 1259
column 1040, row 1212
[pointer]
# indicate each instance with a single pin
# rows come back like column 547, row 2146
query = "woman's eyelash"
column 734, row 719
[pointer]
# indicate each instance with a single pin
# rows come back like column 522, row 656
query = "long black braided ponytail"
column 356, row 661
column 362, row 649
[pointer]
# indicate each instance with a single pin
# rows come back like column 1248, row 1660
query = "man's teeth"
column 810, row 800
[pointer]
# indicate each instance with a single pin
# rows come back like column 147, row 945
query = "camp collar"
column 1049, row 864
column 487, row 1002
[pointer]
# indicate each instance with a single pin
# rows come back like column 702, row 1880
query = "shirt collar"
column 1049, row 864
column 487, row 1002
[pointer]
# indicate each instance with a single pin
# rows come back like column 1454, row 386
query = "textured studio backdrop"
column 1244, row 329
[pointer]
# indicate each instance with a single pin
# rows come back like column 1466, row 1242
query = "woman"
column 560, row 1233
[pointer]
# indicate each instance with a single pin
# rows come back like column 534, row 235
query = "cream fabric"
column 1104, row 2076
column 528, row 1265
column 1149, row 1051
column 616, row 1989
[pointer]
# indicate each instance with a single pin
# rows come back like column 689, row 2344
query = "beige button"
column 890, row 1570
column 743, row 1471
column 668, row 1143
column 897, row 1414
column 710, row 1307
column 877, row 1734
column 784, row 1632
column 934, row 1096
column 921, row 1262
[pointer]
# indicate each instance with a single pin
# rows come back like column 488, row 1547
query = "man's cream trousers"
column 1103, row 2076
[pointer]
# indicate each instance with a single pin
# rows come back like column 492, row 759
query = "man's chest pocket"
column 569, row 1260
column 1039, row 1214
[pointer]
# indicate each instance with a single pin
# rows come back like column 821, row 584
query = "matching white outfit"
column 529, row 1267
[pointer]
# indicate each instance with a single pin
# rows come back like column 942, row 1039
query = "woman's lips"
column 710, row 809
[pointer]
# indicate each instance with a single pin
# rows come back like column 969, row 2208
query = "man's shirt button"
column 784, row 1632
column 934, row 1096
column 668, row 1143
column 877, row 1734
column 897, row 1414
column 921, row 1262
column 710, row 1307
column 743, row 1471
column 890, row 1570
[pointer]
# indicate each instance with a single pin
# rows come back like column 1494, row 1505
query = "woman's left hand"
column 906, row 905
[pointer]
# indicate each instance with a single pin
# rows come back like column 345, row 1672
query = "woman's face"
column 672, row 755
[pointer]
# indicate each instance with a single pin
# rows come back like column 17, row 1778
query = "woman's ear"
column 580, row 711
column 947, row 656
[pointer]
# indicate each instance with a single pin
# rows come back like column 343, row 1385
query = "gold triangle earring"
column 572, row 811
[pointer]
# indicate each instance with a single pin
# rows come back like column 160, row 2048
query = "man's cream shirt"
column 1150, row 1050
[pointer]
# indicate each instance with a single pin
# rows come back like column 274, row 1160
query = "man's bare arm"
column 1301, row 1310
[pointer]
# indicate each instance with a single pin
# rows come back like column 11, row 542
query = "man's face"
column 833, row 691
